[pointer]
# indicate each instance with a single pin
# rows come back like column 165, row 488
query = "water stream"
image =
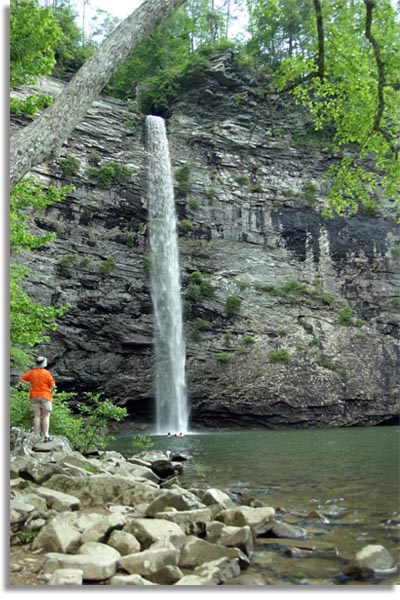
column 172, row 413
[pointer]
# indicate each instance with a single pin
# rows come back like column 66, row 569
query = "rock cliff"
column 291, row 319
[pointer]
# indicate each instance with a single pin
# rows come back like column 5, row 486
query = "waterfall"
column 172, row 414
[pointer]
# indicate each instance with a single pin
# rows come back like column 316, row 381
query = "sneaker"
column 48, row 439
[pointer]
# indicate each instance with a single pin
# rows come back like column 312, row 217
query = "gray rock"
column 58, row 500
column 180, row 499
column 280, row 529
column 149, row 561
column 148, row 531
column 218, row 571
column 97, row 562
column 124, row 542
column 196, row 551
column 372, row 559
column 102, row 489
column 192, row 522
column 258, row 519
column 101, row 529
column 129, row 580
column 67, row 577
column 228, row 535
column 58, row 536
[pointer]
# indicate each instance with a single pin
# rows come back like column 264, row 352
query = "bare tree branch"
column 370, row 5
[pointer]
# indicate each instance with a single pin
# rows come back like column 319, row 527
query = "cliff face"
column 249, row 202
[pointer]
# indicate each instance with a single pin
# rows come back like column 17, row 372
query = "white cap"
column 41, row 361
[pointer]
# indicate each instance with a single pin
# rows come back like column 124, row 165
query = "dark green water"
column 351, row 476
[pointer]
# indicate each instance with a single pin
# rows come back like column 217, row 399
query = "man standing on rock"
column 41, row 397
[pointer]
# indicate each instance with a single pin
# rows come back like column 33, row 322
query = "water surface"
column 350, row 476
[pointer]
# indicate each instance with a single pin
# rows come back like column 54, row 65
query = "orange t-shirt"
column 41, row 381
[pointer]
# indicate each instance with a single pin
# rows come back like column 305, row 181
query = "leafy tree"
column 29, row 320
column 279, row 29
column 70, row 52
column 348, row 80
column 33, row 34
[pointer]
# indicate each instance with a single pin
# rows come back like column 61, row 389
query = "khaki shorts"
column 40, row 402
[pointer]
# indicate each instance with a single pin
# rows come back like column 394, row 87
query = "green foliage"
column 198, row 288
column 346, row 316
column 182, row 176
column 185, row 225
column 325, row 362
column 71, row 50
column 30, row 105
column 83, row 430
column 292, row 287
column 194, row 204
column 357, row 98
column 242, row 180
column 107, row 266
column 223, row 357
column 210, row 193
column 248, row 339
column 201, row 325
column 141, row 443
column 26, row 536
column 196, row 277
column 70, row 165
column 207, row 289
column 309, row 191
column 66, row 264
column 280, row 355
column 255, row 187
column 29, row 321
column 33, row 33
column 233, row 305
column 95, row 416
column 295, row 291
column 110, row 173
column 29, row 194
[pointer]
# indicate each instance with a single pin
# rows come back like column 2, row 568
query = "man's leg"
column 45, row 422
column 36, row 421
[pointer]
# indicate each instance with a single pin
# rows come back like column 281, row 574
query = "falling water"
column 169, row 345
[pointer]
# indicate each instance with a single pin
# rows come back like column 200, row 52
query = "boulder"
column 66, row 577
column 124, row 542
column 180, row 499
column 258, row 519
column 167, row 575
column 101, row 528
column 98, row 562
column 148, row 531
column 58, row 536
column 231, row 536
column 218, row 571
column 215, row 496
column 129, row 580
column 58, row 500
column 104, row 488
column 279, row 529
column 196, row 551
column 149, row 561
column 192, row 522
column 370, row 560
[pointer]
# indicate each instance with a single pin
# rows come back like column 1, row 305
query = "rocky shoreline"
column 106, row 519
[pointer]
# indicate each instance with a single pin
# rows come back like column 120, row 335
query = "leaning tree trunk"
column 33, row 144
